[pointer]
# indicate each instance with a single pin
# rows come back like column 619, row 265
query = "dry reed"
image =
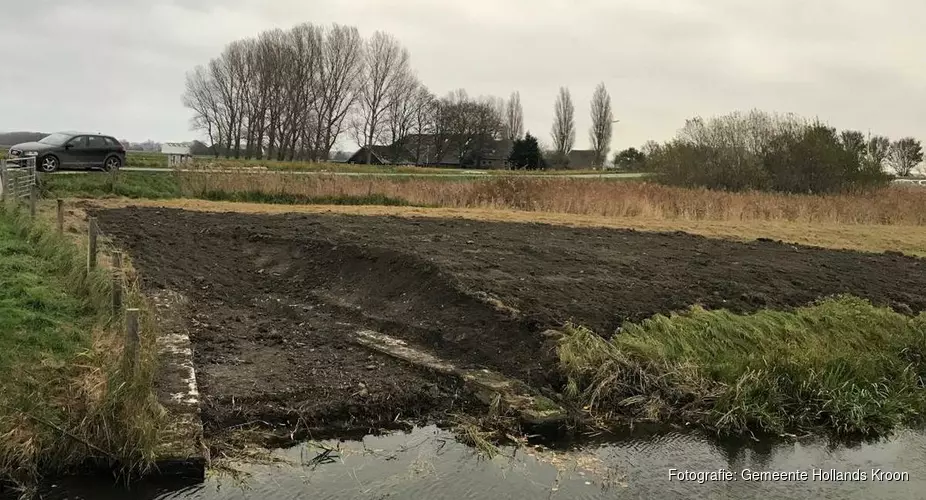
column 599, row 197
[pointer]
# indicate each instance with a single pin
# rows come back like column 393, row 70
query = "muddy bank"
column 276, row 299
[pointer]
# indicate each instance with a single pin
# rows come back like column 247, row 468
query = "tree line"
column 294, row 94
column 764, row 151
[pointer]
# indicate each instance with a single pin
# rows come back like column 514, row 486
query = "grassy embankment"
column 841, row 366
column 69, row 399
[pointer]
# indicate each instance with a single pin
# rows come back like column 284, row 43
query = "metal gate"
column 17, row 176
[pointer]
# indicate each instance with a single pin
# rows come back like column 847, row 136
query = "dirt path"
column 275, row 298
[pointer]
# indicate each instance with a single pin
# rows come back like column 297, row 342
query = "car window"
column 55, row 139
column 79, row 141
column 110, row 142
column 95, row 142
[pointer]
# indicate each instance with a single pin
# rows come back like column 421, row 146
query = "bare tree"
column 905, row 155
column 424, row 119
column 456, row 121
column 274, row 59
column 401, row 113
column 487, row 117
column 442, row 141
column 202, row 98
column 602, row 121
column 221, row 73
column 470, row 125
column 514, row 117
column 564, row 126
column 301, row 119
column 290, row 94
column 385, row 67
column 341, row 58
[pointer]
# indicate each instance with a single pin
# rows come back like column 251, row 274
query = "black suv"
column 73, row 150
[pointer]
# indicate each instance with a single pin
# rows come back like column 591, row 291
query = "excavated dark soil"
column 275, row 299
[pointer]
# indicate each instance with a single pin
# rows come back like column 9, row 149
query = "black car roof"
column 72, row 132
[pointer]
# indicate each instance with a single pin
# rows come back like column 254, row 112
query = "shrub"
column 759, row 151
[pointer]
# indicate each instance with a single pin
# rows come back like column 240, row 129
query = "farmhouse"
column 439, row 150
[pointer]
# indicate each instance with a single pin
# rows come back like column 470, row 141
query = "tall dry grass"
column 601, row 197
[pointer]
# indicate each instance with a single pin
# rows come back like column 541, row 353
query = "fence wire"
column 17, row 177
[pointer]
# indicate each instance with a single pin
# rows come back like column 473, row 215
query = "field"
column 276, row 300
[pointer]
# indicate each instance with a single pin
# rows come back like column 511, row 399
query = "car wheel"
column 112, row 163
column 48, row 164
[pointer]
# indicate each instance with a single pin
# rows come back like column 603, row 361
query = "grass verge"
column 151, row 185
column 840, row 366
column 72, row 400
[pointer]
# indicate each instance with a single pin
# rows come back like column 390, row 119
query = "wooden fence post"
column 117, row 283
column 113, row 178
column 3, row 181
column 91, row 244
column 60, row 216
column 131, row 336
column 33, row 199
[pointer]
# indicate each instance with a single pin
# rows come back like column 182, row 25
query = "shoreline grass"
column 72, row 402
column 840, row 366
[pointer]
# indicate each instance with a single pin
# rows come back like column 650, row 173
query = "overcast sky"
column 118, row 66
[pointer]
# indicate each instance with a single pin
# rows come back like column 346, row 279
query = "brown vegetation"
column 600, row 197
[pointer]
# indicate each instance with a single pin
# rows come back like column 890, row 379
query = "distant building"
column 379, row 155
column 178, row 153
column 439, row 151
column 581, row 159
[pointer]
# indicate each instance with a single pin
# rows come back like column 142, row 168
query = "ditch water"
column 429, row 464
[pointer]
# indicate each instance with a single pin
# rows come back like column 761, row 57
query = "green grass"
column 69, row 397
column 841, row 366
column 39, row 319
column 155, row 185
column 145, row 160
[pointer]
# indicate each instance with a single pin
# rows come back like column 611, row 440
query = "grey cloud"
column 119, row 65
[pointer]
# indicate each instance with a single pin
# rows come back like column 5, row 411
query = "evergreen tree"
column 526, row 154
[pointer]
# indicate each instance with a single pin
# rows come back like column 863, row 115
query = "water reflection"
column 428, row 463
